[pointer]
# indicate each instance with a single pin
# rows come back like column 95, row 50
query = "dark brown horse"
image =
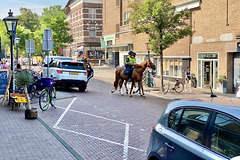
column 136, row 76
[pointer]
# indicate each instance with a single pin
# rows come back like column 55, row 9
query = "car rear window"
column 73, row 65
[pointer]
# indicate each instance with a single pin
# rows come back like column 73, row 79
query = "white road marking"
column 126, row 140
column 61, row 117
column 101, row 139
column 94, row 115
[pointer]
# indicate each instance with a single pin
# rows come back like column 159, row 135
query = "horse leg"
column 115, row 86
column 139, row 89
column 133, row 82
column 142, row 89
column 125, row 84
column 120, row 85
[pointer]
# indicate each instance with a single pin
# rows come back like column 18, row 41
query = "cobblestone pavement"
column 27, row 139
column 101, row 125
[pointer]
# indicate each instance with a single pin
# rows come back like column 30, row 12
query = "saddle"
column 125, row 72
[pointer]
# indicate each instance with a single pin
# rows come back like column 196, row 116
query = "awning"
column 120, row 45
column 81, row 48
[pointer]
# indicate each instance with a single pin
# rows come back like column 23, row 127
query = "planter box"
column 221, row 87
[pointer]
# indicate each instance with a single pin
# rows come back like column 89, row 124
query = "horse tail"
column 117, row 77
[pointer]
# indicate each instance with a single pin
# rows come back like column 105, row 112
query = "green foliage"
column 160, row 21
column 31, row 26
column 54, row 18
column 29, row 20
column 222, row 79
column 23, row 79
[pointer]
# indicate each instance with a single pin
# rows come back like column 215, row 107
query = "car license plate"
column 74, row 73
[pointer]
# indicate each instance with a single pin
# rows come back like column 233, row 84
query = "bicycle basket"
column 47, row 82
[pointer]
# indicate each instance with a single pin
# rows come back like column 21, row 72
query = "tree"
column 54, row 18
column 159, row 19
column 29, row 20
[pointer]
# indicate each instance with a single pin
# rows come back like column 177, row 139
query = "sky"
column 35, row 5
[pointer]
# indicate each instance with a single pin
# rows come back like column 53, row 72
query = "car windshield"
column 73, row 65
column 63, row 58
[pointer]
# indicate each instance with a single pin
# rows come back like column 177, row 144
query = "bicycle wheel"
column 32, row 91
column 178, row 87
column 53, row 96
column 44, row 100
column 165, row 88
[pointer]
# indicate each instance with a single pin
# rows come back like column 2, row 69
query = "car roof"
column 231, row 110
column 66, row 60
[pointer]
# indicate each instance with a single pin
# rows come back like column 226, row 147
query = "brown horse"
column 136, row 76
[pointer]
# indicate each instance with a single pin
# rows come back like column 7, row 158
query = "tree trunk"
column 161, row 70
column 28, row 99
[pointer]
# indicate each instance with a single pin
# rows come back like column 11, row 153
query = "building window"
column 126, row 16
column 117, row 3
column 172, row 68
column 92, row 13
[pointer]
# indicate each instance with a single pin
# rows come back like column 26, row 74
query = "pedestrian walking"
column 188, row 79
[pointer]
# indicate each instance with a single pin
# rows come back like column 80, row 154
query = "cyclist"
column 130, row 63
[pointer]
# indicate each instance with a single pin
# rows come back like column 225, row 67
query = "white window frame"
column 126, row 16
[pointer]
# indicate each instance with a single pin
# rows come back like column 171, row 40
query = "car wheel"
column 82, row 88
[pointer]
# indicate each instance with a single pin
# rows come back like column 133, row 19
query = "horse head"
column 150, row 64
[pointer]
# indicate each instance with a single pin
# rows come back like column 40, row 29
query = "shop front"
column 207, row 70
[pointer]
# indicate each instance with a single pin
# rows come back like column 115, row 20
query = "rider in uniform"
column 130, row 63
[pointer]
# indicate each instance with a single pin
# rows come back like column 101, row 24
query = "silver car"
column 192, row 130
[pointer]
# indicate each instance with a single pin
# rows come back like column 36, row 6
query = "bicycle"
column 48, row 94
column 177, row 87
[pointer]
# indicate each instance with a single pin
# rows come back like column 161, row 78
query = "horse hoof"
column 122, row 94
column 112, row 91
column 141, row 95
column 130, row 96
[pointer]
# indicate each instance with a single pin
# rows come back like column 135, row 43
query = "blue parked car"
column 190, row 130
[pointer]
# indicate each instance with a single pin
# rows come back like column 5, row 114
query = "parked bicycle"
column 177, row 86
column 48, row 95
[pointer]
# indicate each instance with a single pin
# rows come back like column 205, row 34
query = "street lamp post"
column 148, row 78
column 11, row 25
column 17, row 40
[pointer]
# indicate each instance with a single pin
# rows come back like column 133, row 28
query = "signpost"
column 47, row 45
column 30, row 49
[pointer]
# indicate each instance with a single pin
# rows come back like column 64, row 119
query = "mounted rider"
column 130, row 63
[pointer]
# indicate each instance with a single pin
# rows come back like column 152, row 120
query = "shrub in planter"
column 222, row 83
column 24, row 79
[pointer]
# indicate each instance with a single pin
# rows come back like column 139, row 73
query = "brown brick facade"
column 216, row 27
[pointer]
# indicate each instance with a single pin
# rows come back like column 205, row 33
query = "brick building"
column 85, row 21
column 212, row 51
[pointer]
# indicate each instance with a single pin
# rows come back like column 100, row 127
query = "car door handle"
column 171, row 148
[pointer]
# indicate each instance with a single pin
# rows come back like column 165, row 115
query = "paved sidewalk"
column 29, row 139
column 107, row 74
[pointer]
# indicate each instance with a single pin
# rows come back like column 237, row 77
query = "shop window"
column 179, row 71
column 167, row 67
column 171, row 68
column 164, row 68
column 175, row 71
